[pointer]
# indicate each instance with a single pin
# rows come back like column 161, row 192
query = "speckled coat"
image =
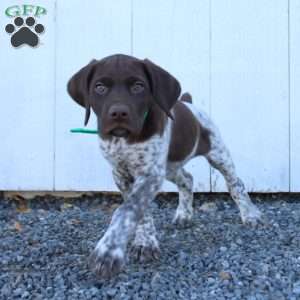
column 173, row 133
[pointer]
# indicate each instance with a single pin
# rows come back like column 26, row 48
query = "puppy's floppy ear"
column 78, row 87
column 165, row 88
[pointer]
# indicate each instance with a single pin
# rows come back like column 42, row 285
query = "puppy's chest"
column 133, row 156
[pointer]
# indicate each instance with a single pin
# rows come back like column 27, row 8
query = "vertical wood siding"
column 295, row 94
column 239, row 59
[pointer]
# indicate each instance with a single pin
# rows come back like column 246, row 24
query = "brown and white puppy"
column 147, row 135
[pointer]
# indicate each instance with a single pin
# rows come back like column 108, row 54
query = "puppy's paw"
column 253, row 217
column 183, row 219
column 106, row 263
column 145, row 253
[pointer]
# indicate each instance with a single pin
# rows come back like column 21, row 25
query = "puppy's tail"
column 186, row 97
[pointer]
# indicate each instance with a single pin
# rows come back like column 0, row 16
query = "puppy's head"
column 123, row 91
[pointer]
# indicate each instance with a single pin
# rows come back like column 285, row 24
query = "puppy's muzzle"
column 118, row 116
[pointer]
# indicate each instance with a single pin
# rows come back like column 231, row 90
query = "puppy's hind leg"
column 220, row 158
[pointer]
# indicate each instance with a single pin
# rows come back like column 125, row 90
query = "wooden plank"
column 27, row 111
column 175, row 35
column 295, row 93
column 250, row 90
column 86, row 30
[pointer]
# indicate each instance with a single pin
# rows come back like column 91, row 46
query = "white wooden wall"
column 239, row 59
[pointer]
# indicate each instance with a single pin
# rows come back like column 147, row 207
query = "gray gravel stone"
column 45, row 256
column 296, row 288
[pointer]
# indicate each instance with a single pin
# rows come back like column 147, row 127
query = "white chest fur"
column 138, row 157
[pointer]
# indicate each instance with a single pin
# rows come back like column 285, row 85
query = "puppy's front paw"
column 106, row 262
column 145, row 253
column 252, row 216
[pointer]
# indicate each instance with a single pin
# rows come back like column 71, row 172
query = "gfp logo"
column 25, row 30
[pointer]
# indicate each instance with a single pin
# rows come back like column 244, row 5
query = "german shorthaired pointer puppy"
column 147, row 135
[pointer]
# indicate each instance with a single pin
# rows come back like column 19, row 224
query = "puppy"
column 147, row 135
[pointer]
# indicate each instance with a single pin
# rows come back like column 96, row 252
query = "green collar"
column 146, row 114
column 84, row 130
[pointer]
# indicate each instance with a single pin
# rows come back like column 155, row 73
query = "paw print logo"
column 24, row 33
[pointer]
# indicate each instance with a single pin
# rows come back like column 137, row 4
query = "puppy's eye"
column 137, row 87
column 101, row 88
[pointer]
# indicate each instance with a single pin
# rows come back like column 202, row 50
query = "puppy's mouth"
column 119, row 132
column 118, row 129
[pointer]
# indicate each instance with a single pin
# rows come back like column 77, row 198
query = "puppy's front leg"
column 124, row 181
column 108, row 257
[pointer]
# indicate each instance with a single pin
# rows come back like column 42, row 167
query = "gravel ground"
column 45, row 244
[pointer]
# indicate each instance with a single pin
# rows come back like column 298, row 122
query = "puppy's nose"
column 118, row 112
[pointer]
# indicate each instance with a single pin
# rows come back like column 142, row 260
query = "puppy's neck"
column 155, row 123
